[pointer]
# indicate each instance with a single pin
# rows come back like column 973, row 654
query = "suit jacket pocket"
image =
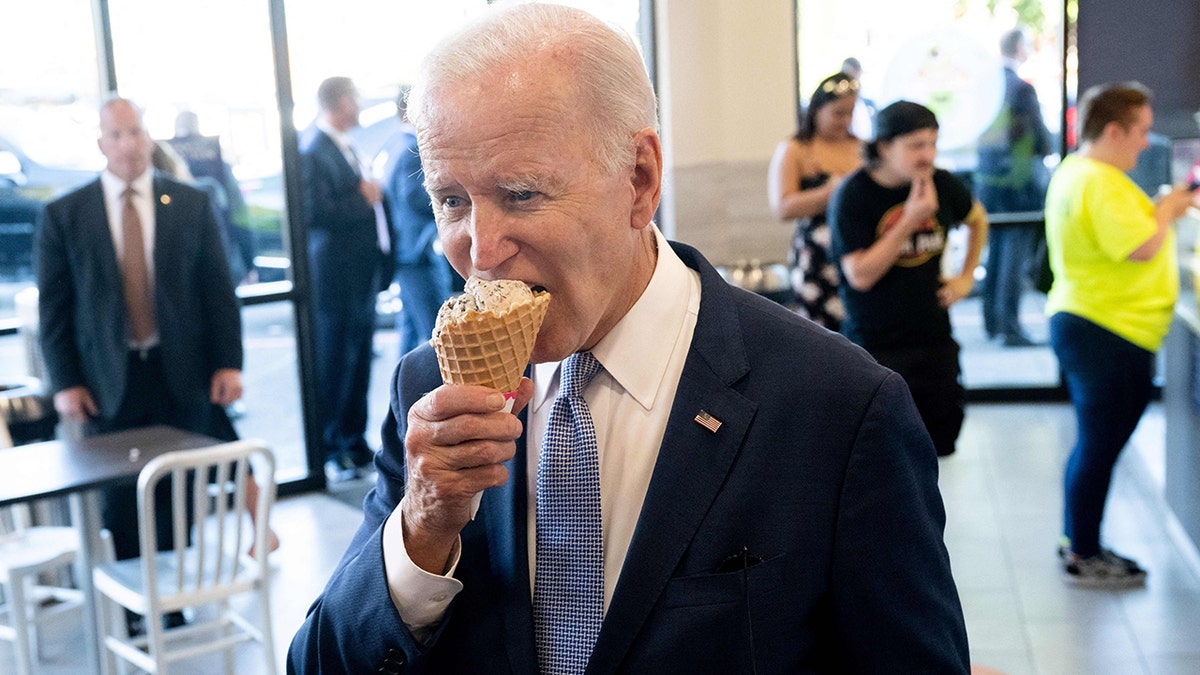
column 726, row 587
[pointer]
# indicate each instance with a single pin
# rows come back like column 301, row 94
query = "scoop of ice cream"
column 496, row 297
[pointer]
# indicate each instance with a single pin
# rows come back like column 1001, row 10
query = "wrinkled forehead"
column 537, row 87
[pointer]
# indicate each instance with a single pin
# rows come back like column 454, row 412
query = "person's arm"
column 457, row 441
column 220, row 311
column 360, row 620
column 958, row 287
column 787, row 200
column 865, row 267
column 895, row 605
column 1168, row 209
column 56, row 312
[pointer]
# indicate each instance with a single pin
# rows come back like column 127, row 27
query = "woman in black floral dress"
column 805, row 171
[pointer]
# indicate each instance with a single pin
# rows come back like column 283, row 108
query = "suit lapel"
column 164, row 230
column 99, row 233
column 692, row 465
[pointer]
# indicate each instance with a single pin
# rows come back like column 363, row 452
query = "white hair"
column 609, row 74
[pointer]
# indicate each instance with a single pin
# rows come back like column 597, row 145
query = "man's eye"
column 522, row 195
column 452, row 202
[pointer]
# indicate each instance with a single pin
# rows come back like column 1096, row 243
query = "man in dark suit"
column 139, row 321
column 1010, row 179
column 767, row 497
column 348, row 242
column 421, row 269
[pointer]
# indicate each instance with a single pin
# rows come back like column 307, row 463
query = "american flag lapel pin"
column 708, row 421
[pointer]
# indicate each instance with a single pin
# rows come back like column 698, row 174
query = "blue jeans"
column 1110, row 381
column 1010, row 250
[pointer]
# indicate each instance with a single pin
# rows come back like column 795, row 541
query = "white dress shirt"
column 630, row 401
column 114, row 206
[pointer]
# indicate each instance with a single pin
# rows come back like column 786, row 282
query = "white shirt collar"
column 637, row 350
column 114, row 187
column 341, row 138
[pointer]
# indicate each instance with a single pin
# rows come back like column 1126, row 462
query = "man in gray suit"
column 139, row 321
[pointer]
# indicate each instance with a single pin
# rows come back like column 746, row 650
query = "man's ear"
column 646, row 178
column 1113, row 130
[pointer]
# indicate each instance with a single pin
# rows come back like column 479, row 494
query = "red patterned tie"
column 135, row 277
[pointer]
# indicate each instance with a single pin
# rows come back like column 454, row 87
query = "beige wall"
column 725, row 70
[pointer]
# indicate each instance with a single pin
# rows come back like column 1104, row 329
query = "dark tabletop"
column 61, row 467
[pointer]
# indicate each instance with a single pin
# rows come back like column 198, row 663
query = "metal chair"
column 209, row 572
column 26, row 553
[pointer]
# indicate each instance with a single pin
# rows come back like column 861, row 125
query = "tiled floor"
column 1002, row 498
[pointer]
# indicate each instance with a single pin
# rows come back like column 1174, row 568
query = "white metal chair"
column 208, row 573
column 27, row 552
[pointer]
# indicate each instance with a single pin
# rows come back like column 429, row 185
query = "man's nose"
column 490, row 242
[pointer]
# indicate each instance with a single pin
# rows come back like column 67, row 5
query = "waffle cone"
column 488, row 349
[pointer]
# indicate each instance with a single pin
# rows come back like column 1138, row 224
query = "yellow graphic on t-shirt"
column 928, row 240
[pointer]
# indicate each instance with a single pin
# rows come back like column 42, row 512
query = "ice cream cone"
column 490, row 349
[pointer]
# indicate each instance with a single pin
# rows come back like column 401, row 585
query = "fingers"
column 524, row 394
column 953, row 290
column 75, row 404
column 226, row 387
column 370, row 192
column 89, row 406
column 457, row 441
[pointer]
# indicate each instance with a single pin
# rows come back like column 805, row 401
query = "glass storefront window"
column 49, row 91
column 204, row 74
column 958, row 58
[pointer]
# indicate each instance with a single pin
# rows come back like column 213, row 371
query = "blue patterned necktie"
column 568, row 589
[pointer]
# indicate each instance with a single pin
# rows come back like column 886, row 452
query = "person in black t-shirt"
column 889, row 222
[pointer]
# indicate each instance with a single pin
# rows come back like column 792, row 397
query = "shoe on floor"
column 340, row 468
column 1018, row 340
column 1105, row 570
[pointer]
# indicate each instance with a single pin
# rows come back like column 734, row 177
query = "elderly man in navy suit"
column 348, row 245
column 139, row 321
column 693, row 480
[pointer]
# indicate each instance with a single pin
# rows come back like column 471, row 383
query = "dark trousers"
column 343, row 344
column 932, row 374
column 147, row 402
column 1010, row 250
column 424, row 286
column 1110, row 381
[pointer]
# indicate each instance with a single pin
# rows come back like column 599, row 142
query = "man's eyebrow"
column 529, row 183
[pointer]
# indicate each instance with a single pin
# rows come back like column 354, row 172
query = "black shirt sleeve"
column 850, row 223
column 954, row 199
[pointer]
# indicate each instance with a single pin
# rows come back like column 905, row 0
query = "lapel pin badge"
column 708, row 421
column 165, row 199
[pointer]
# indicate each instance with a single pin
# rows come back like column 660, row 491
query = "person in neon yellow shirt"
column 1112, row 251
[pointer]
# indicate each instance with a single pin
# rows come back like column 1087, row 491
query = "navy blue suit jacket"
column 821, row 468
column 82, row 304
column 411, row 210
column 345, row 261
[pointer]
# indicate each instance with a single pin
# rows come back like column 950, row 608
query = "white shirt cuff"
column 420, row 597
